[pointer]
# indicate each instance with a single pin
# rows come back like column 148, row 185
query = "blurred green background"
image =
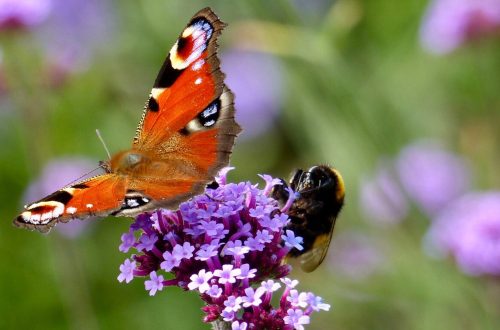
column 351, row 86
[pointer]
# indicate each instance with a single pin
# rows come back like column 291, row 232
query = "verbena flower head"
column 227, row 245
column 469, row 230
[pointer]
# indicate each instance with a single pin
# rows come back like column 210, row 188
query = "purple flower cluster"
column 465, row 225
column 469, row 230
column 426, row 173
column 450, row 23
column 228, row 245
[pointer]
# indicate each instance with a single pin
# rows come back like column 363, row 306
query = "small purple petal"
column 293, row 241
column 155, row 284
column 126, row 271
column 128, row 241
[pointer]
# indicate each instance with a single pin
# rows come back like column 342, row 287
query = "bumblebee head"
column 319, row 179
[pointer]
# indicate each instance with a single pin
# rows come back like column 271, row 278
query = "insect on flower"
column 319, row 197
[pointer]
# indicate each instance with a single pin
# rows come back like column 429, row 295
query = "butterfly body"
column 186, row 134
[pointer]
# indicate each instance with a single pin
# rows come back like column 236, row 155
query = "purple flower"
column 382, row 199
column 227, row 274
column 469, row 230
column 128, row 241
column 155, row 284
column 449, row 23
column 215, row 291
column 23, row 13
column 432, row 176
column 270, row 285
column 200, row 281
column 56, row 175
column 73, row 33
column 356, row 256
column 289, row 282
column 236, row 325
column 146, row 242
column 423, row 173
column 296, row 318
column 202, row 248
column 233, row 303
column 259, row 100
column 184, row 251
column 170, row 261
column 297, row 299
column 207, row 251
column 316, row 303
column 126, row 271
column 246, row 272
column 293, row 241
column 252, row 297
column 236, row 248
column 254, row 244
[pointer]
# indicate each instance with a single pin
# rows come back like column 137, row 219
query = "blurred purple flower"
column 73, row 32
column 257, row 81
column 382, row 199
column 23, row 13
column 469, row 230
column 56, row 175
column 449, row 23
column 432, row 176
column 355, row 256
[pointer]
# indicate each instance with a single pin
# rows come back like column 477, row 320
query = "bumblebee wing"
column 311, row 259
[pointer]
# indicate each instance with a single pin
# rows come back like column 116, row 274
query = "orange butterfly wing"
column 188, row 126
column 100, row 195
column 185, row 136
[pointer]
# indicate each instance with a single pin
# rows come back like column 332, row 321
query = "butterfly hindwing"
column 99, row 196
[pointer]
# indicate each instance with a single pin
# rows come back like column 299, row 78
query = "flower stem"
column 221, row 325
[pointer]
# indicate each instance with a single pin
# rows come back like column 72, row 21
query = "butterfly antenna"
column 88, row 174
column 103, row 143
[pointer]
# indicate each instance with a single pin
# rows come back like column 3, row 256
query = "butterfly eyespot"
column 191, row 44
column 206, row 119
column 133, row 200
column 198, row 81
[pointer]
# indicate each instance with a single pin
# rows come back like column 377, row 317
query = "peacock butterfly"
column 184, row 138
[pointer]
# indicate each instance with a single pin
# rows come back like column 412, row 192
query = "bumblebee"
column 319, row 198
